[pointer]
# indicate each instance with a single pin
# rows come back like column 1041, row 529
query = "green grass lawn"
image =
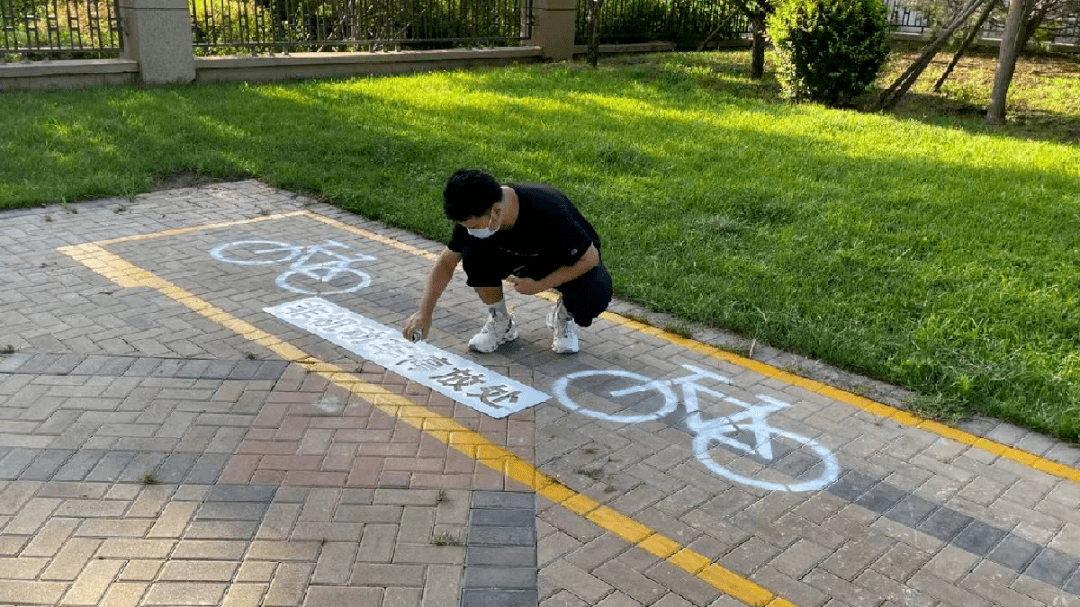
column 922, row 247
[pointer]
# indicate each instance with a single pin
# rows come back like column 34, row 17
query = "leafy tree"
column 829, row 50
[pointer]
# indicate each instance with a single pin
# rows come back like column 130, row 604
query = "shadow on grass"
column 937, row 110
column 728, row 72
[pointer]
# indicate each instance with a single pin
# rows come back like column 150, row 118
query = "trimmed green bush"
column 829, row 51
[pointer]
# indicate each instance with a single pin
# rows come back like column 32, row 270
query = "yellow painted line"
column 390, row 242
column 449, row 431
column 198, row 228
column 878, row 409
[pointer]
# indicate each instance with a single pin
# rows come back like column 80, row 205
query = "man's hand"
column 416, row 322
column 526, row 286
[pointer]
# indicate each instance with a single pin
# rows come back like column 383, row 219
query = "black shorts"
column 585, row 297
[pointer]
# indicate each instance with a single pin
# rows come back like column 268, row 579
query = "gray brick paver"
column 629, row 582
column 583, row 585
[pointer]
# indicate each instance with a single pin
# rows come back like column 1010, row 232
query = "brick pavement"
column 165, row 441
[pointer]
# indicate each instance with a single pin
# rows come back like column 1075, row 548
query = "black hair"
column 470, row 193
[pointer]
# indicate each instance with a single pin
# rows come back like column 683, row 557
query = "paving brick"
column 488, row 597
column 800, row 558
column 562, row 599
column 1052, row 567
column 52, row 536
column 946, row 592
column 71, row 559
column 33, row 514
column 385, row 574
column 185, row 593
column 630, row 582
column 504, row 536
column 198, row 571
column 222, row 550
column 141, row 570
column 443, row 586
column 113, row 528
column 22, row 567
column 500, row 577
column 945, row 524
column 329, row 596
column 93, row 582
column 583, row 585
column 124, row 594
column 29, row 592
column 833, row 586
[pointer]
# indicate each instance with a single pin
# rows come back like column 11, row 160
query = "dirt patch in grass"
column 189, row 179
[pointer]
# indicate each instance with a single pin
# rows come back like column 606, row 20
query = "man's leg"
column 583, row 299
column 500, row 327
column 588, row 295
column 490, row 295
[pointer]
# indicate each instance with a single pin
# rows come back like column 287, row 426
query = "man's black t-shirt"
column 549, row 233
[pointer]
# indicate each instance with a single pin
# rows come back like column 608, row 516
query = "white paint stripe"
column 457, row 378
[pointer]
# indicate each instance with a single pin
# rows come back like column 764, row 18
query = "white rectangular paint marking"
column 458, row 378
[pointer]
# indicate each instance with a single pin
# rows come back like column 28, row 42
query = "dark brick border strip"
column 140, row 366
column 116, row 466
column 500, row 554
column 957, row 529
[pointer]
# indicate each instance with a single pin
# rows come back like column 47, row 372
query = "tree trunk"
column 972, row 35
column 716, row 32
column 593, row 54
column 1033, row 22
column 757, row 16
column 899, row 88
column 757, row 51
column 1010, row 50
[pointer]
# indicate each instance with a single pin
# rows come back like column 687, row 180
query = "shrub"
column 829, row 51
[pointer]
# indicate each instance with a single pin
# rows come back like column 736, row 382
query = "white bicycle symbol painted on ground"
column 313, row 270
column 746, row 433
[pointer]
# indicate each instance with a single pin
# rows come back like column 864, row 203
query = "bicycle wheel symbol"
column 313, row 270
column 741, row 447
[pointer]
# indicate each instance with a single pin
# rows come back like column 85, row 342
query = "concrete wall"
column 68, row 74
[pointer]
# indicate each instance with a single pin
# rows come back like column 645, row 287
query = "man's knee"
column 587, row 296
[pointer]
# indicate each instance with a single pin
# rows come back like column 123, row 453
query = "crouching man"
column 529, row 235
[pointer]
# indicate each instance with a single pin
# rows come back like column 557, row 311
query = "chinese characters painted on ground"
column 458, row 378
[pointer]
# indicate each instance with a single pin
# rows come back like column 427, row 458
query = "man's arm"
column 528, row 286
column 440, row 276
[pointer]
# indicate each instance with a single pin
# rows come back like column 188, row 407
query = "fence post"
column 553, row 28
column 157, row 34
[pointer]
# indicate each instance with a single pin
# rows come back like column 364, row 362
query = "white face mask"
column 484, row 232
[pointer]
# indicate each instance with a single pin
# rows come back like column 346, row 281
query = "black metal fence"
column 223, row 26
column 59, row 29
column 684, row 22
column 904, row 18
column 38, row 29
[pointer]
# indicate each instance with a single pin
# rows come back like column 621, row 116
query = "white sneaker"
column 498, row 330
column 564, row 330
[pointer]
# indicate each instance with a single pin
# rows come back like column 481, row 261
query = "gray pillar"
column 157, row 34
column 553, row 28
